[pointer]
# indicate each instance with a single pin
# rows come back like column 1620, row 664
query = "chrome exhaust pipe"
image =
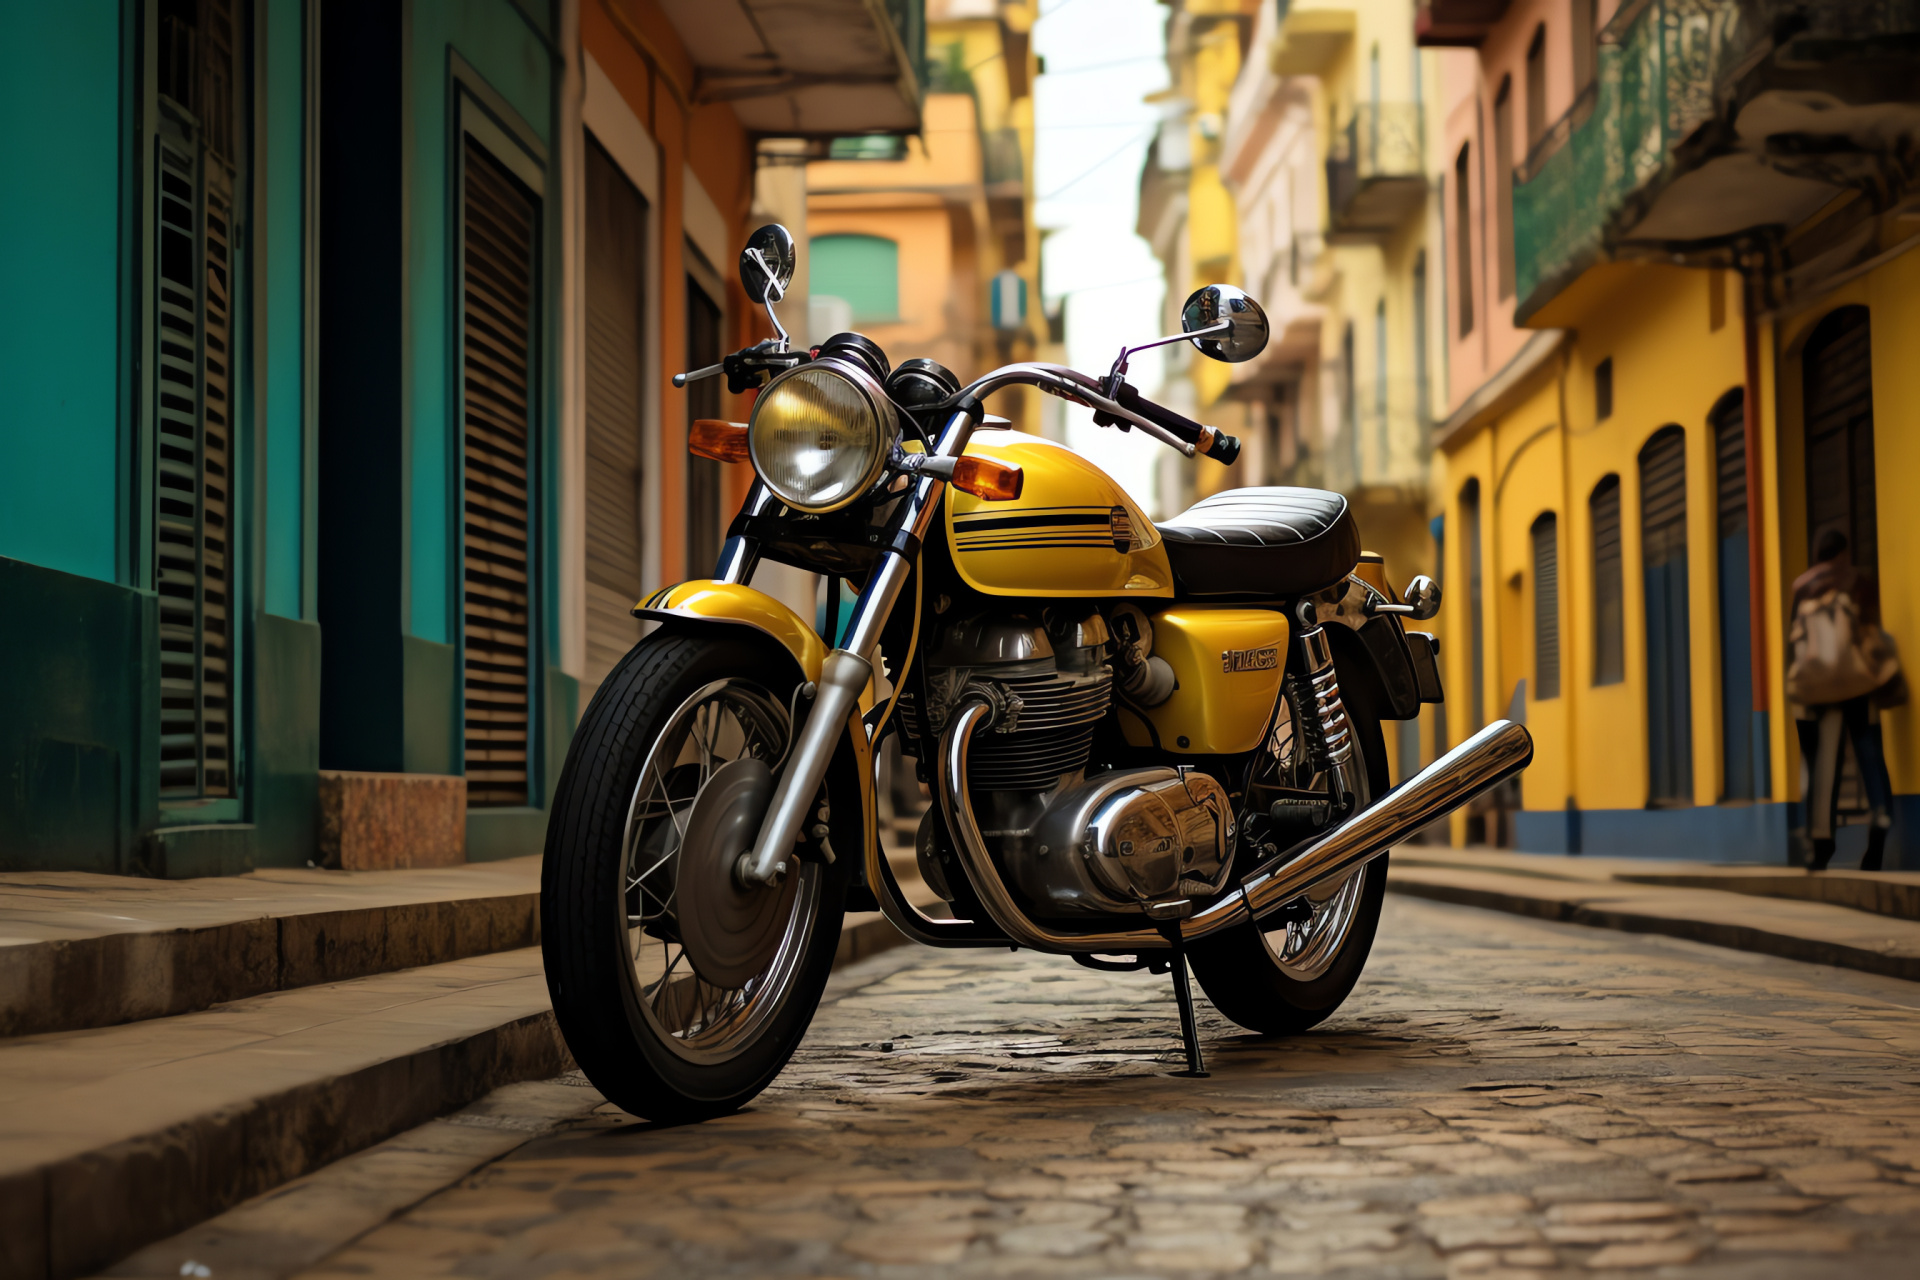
column 1476, row 766
column 1473, row 768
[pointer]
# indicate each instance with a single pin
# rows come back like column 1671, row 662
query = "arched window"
column 864, row 270
column 1546, row 606
column 1663, row 567
column 1609, row 627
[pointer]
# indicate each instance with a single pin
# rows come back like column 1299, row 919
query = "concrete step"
column 114, row 1137
column 80, row 950
column 1816, row 932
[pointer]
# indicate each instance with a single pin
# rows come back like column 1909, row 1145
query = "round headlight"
column 820, row 434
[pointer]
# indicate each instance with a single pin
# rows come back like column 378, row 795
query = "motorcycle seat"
column 1262, row 543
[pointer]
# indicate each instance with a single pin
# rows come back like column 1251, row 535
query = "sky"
column 1103, row 57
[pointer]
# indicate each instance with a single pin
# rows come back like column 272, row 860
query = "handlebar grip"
column 1217, row 445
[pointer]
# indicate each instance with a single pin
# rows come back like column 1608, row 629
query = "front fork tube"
column 1333, row 728
column 843, row 677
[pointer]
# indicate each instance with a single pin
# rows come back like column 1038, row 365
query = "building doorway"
column 1839, row 435
column 615, row 391
column 1729, row 424
column 1663, row 560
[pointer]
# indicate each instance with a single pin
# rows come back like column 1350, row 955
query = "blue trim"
column 1705, row 833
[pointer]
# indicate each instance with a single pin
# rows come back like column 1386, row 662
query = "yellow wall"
column 1547, row 453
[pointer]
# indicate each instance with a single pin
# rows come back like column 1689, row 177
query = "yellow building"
column 1611, row 510
column 927, row 244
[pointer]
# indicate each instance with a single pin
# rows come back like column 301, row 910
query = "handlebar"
column 1123, row 407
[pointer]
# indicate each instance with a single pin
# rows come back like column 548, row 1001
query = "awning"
column 800, row 68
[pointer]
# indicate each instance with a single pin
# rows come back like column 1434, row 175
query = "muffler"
column 1473, row 768
column 1476, row 766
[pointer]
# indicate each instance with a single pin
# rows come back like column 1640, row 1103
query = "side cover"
column 1228, row 664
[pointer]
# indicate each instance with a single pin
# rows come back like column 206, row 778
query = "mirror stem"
column 776, row 292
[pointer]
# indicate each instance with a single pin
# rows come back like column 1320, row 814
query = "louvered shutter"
column 497, row 253
column 1546, row 607
column 1839, row 434
column 1609, row 623
column 195, row 170
column 1476, row 604
column 1736, row 626
column 616, row 302
column 1663, row 558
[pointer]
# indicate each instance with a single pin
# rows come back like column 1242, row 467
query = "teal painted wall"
column 280, row 293
column 77, row 756
column 59, row 291
column 497, row 40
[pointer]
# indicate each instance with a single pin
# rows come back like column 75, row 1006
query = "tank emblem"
column 1232, row 660
column 1034, row 528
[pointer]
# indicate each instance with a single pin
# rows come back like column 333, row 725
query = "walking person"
column 1842, row 669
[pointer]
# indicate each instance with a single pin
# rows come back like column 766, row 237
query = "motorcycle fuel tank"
column 1071, row 532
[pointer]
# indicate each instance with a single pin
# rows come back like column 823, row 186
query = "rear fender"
column 1381, row 650
column 715, row 608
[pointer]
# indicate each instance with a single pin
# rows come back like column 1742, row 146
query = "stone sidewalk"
column 1848, row 919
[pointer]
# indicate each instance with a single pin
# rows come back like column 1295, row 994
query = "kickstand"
column 1189, row 1026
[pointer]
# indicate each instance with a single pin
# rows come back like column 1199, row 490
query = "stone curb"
column 77, row 1215
column 1738, row 937
column 69, row 984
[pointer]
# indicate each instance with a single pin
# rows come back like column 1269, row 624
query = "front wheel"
column 1285, row 975
column 680, row 992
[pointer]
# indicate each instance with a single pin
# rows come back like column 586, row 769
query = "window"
column 1537, row 87
column 864, row 270
column 1546, row 607
column 1422, row 393
column 1503, row 180
column 1476, row 606
column 1350, row 398
column 1380, row 384
column 1463, row 238
column 1609, row 624
column 1603, row 390
column 1582, row 21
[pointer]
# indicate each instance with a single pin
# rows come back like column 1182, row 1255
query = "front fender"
column 709, row 606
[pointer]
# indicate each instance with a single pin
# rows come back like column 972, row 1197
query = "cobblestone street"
column 1500, row 1097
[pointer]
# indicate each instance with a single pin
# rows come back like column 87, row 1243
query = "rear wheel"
column 681, row 992
column 1285, row 975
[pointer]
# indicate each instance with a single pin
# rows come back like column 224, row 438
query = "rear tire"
column 650, row 1033
column 1241, row 969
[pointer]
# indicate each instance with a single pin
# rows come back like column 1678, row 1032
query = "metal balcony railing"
column 1663, row 67
column 1375, row 173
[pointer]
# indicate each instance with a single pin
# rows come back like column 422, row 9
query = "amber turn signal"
column 988, row 480
column 721, row 441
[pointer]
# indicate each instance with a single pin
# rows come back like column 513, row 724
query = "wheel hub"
column 731, row 931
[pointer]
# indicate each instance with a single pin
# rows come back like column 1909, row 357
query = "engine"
column 1127, row 841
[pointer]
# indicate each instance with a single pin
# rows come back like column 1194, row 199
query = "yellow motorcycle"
column 1150, row 746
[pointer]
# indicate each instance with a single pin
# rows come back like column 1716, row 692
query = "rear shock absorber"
column 1328, row 731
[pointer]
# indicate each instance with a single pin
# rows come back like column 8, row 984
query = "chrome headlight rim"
column 887, row 435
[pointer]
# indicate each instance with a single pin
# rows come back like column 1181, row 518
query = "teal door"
column 1663, row 558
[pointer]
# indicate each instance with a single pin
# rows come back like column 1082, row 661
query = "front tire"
column 626, row 857
column 1284, row 980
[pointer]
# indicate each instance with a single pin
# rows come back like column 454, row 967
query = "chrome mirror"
column 767, row 263
column 1224, row 323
